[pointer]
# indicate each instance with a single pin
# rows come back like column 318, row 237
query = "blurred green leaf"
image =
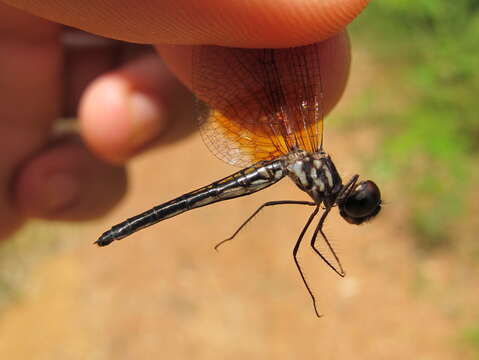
column 429, row 49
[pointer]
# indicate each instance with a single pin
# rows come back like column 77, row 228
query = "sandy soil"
column 165, row 293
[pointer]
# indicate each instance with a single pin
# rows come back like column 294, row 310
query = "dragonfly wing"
column 258, row 104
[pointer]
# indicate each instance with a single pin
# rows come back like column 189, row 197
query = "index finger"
column 256, row 23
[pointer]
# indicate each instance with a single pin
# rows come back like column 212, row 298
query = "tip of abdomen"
column 105, row 239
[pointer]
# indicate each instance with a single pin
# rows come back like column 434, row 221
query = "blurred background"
column 408, row 120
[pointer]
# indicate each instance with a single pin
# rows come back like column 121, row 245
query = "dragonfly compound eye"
column 362, row 204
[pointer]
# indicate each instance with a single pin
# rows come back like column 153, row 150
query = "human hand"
column 130, row 106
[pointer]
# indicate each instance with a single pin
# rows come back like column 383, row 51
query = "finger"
column 335, row 64
column 266, row 23
column 129, row 109
column 30, row 71
column 66, row 182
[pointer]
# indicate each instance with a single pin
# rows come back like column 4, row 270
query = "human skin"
column 62, row 178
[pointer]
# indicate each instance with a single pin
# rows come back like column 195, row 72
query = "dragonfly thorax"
column 315, row 174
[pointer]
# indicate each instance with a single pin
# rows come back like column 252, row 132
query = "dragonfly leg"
column 319, row 228
column 347, row 189
column 295, row 257
column 269, row 203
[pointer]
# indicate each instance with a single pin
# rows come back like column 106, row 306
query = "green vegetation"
column 428, row 50
column 471, row 337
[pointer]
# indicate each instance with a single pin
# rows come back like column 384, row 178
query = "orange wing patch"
column 235, row 144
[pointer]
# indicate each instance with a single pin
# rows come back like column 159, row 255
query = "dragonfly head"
column 362, row 204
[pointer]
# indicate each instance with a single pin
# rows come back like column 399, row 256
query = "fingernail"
column 61, row 190
column 146, row 118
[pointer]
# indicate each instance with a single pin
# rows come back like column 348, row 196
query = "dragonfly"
column 262, row 110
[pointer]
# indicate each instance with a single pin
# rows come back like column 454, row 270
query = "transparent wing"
column 258, row 104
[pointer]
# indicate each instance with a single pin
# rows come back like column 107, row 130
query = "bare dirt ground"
column 165, row 293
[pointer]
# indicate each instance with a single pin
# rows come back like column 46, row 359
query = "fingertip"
column 283, row 23
column 335, row 65
column 117, row 120
column 133, row 107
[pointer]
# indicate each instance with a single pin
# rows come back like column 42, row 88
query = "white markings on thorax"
column 298, row 169
column 313, row 175
column 328, row 175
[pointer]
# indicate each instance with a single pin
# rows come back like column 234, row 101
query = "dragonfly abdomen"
column 244, row 182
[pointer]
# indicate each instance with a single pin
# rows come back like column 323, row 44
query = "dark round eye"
column 362, row 204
